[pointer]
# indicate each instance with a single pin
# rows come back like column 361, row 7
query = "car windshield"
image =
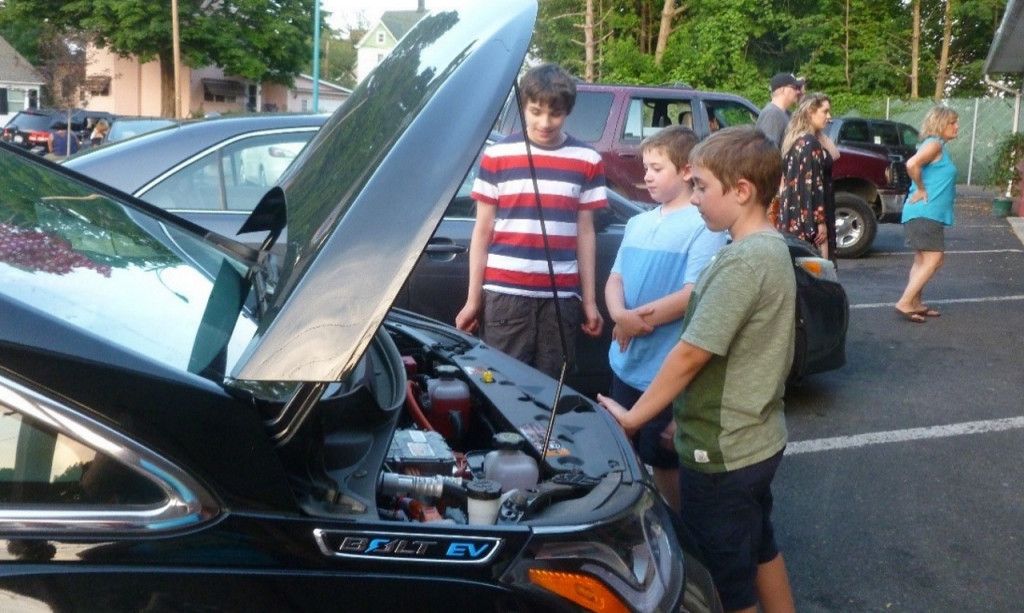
column 31, row 121
column 111, row 270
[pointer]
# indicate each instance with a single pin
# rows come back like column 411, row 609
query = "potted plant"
column 1006, row 171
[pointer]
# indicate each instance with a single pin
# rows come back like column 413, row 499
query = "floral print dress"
column 805, row 197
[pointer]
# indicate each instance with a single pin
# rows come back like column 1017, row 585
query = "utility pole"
column 177, row 58
column 316, row 57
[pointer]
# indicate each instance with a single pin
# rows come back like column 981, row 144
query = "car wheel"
column 855, row 226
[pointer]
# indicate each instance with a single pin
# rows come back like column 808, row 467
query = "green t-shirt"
column 742, row 310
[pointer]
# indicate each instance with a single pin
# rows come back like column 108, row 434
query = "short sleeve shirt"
column 659, row 255
column 773, row 122
column 570, row 178
column 742, row 310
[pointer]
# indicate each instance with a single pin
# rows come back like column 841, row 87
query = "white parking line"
column 899, row 436
column 965, row 252
column 879, row 305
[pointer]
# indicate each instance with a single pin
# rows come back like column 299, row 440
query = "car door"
column 644, row 115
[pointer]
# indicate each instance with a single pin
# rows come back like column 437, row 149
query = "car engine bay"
column 432, row 427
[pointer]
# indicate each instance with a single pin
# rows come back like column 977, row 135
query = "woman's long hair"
column 800, row 123
column 936, row 121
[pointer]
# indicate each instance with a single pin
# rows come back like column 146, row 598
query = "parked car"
column 127, row 127
column 30, row 128
column 211, row 171
column 162, row 167
column 892, row 138
column 33, row 128
column 191, row 425
column 614, row 119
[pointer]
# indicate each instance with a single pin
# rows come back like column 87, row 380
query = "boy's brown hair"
column 676, row 141
column 741, row 152
column 551, row 85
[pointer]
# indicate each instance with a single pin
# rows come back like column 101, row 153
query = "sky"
column 346, row 13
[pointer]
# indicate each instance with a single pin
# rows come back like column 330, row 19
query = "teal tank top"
column 939, row 178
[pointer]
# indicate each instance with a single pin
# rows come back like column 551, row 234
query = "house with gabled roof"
column 382, row 37
column 20, row 82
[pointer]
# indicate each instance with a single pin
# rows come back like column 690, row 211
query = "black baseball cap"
column 783, row 79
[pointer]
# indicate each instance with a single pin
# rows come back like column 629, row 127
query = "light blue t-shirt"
column 939, row 178
column 658, row 256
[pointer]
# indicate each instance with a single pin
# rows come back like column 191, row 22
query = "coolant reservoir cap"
column 447, row 371
column 483, row 489
column 507, row 440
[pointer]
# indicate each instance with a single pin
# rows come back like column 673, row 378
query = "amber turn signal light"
column 583, row 590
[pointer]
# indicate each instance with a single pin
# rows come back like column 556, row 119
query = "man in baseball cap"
column 787, row 90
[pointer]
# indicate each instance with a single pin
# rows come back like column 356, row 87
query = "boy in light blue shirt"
column 663, row 252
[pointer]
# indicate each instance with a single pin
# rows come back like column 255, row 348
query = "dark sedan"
column 191, row 424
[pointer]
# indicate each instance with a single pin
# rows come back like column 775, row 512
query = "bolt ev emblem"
column 407, row 547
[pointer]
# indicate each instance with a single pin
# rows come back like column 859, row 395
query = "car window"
column 31, row 121
column 233, row 177
column 886, row 134
column 41, row 466
column 909, row 135
column 589, row 115
column 855, row 131
column 730, row 113
column 646, row 116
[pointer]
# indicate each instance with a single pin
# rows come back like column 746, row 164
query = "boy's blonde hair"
column 937, row 120
column 676, row 141
column 741, row 152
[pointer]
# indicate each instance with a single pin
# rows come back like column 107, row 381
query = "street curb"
column 1017, row 223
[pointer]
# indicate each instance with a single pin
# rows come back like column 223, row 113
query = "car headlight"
column 819, row 268
column 632, row 563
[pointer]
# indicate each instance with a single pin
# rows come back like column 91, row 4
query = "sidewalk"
column 981, row 196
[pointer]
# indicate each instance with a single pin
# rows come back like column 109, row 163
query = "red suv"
column 614, row 119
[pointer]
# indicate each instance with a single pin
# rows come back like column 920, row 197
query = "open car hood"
column 367, row 192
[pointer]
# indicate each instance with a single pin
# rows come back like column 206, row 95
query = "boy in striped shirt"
column 510, row 296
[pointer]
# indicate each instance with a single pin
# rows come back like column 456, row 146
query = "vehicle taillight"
column 38, row 137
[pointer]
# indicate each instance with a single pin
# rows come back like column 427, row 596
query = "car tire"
column 856, row 226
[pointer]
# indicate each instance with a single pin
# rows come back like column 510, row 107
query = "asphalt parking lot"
column 902, row 485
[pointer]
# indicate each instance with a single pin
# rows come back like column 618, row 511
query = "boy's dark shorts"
column 652, row 448
column 728, row 516
column 925, row 234
column 526, row 328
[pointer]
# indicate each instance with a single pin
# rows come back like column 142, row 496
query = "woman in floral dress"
column 806, row 200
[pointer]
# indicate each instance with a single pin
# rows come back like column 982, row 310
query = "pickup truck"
column 614, row 119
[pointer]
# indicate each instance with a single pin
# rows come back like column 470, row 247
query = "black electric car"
column 191, row 424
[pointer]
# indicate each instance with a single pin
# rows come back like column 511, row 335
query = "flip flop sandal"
column 928, row 312
column 912, row 316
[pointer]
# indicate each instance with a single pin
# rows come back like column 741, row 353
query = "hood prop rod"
column 551, row 276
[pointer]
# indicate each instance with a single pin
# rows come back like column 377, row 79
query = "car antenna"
column 551, row 274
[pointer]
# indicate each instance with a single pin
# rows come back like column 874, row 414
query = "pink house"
column 124, row 86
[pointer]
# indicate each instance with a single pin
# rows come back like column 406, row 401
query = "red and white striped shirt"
column 570, row 178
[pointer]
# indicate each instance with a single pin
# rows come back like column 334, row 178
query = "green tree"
column 337, row 58
column 262, row 40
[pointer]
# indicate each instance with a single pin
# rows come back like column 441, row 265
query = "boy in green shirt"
column 727, row 374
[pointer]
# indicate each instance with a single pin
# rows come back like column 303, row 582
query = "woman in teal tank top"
column 929, row 208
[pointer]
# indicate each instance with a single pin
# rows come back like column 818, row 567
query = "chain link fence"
column 984, row 122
